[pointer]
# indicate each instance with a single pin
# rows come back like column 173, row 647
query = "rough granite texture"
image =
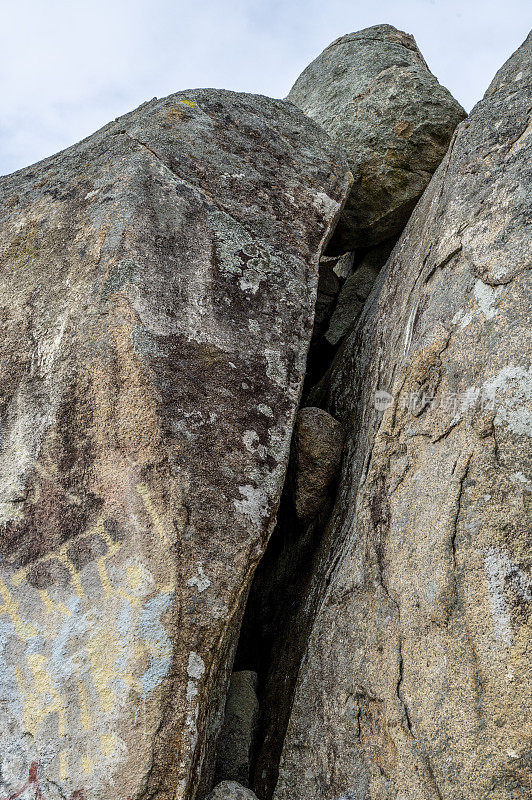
column 374, row 94
column 417, row 679
column 157, row 287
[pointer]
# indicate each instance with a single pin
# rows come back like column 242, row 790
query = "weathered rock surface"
column 230, row 790
column 239, row 728
column 157, row 286
column 316, row 455
column 417, row 680
column 374, row 94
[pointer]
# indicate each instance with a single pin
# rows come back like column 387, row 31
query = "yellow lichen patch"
column 47, row 601
column 86, row 765
column 108, row 743
column 103, row 651
column 135, row 576
column 179, row 114
column 42, row 699
column 63, row 768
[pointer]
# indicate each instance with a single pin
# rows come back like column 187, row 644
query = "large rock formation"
column 157, row 286
column 374, row 94
column 417, row 682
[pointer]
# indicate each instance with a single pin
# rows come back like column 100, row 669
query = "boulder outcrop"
column 157, row 285
column 374, row 94
column 416, row 681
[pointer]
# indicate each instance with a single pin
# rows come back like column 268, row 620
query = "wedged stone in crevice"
column 316, row 453
column 231, row 790
column 343, row 265
column 356, row 290
column 239, row 728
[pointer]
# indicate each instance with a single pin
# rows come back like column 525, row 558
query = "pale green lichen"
column 23, row 249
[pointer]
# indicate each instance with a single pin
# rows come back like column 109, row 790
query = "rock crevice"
column 263, row 493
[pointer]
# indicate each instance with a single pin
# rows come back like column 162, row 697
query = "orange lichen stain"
column 176, row 115
column 403, row 128
column 179, row 114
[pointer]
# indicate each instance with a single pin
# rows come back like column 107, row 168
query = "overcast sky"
column 67, row 67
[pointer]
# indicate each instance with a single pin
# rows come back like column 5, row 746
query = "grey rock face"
column 416, row 680
column 374, row 94
column 316, row 456
column 239, row 728
column 230, row 790
column 157, row 283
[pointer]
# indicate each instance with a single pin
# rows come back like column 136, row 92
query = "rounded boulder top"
column 374, row 94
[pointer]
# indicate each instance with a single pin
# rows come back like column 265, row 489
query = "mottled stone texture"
column 417, row 679
column 374, row 94
column 157, row 286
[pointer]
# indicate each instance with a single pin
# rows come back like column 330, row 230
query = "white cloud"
column 69, row 66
